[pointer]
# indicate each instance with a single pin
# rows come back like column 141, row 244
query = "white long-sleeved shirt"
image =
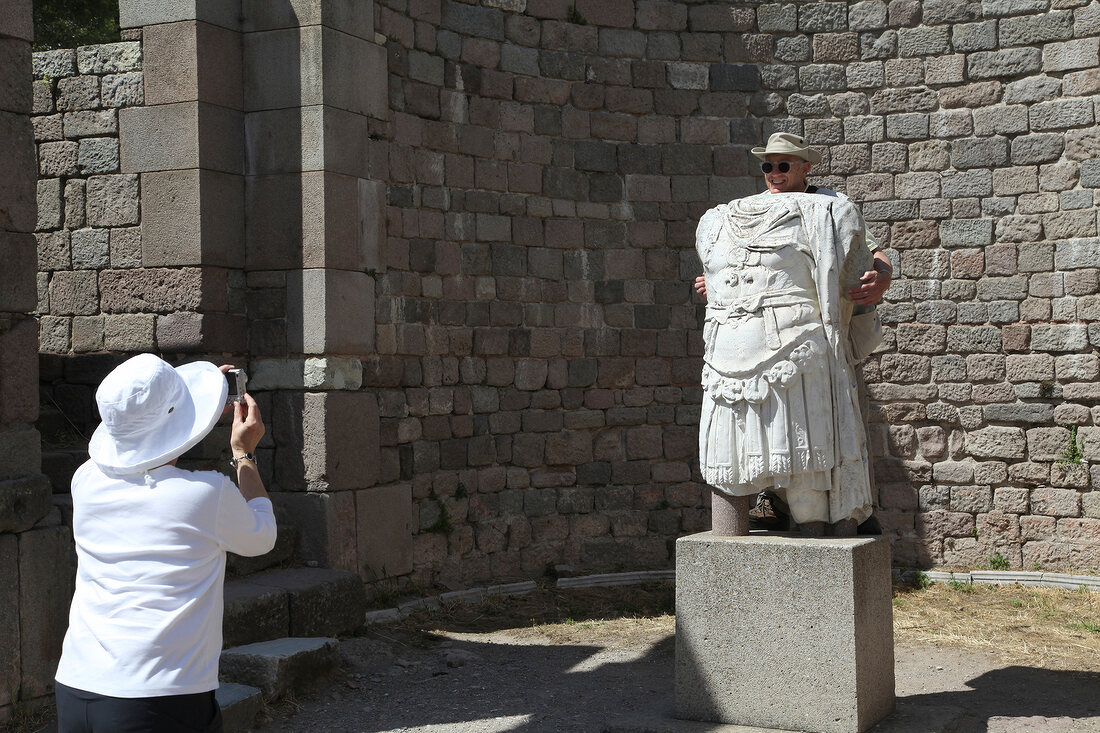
column 146, row 616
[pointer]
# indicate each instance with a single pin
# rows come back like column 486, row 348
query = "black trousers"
column 87, row 712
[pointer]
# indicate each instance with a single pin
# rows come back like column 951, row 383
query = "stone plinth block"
column 18, row 284
column 181, row 135
column 308, row 138
column 326, row 525
column 19, row 184
column 47, row 569
column 784, row 632
column 23, row 501
column 350, row 16
column 384, row 518
column 18, row 371
column 308, row 221
column 9, row 619
column 15, row 88
column 254, row 613
column 192, row 217
column 16, row 19
column 137, row 13
column 192, row 61
column 330, row 312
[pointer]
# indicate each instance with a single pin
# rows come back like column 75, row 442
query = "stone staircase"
column 279, row 626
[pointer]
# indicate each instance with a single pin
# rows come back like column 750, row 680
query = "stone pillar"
column 314, row 95
column 187, row 144
column 34, row 598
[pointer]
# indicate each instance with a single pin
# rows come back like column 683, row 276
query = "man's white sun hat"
column 787, row 143
column 153, row 413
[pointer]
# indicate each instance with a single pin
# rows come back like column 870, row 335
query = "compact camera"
column 237, row 381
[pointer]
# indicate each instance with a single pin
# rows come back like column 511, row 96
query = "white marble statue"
column 780, row 407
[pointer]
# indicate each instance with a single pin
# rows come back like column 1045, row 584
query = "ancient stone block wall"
column 538, row 344
column 535, row 354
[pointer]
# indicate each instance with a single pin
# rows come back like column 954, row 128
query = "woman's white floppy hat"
column 153, row 413
column 787, row 143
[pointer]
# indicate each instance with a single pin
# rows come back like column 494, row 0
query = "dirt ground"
column 974, row 658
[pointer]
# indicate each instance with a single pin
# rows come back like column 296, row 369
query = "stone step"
column 281, row 664
column 240, row 705
column 292, row 602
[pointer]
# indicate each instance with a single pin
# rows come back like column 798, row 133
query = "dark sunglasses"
column 783, row 166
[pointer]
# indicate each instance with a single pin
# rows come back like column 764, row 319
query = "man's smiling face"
column 794, row 180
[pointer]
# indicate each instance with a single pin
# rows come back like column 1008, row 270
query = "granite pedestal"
column 784, row 632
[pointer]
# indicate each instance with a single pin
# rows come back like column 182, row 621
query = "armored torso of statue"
column 775, row 360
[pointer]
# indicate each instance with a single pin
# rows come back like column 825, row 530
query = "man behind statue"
column 784, row 272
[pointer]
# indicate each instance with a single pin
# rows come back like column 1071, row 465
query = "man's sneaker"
column 766, row 515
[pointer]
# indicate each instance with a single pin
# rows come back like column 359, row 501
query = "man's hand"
column 701, row 286
column 873, row 283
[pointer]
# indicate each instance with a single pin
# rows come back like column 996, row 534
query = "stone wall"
column 36, row 557
column 523, row 320
column 538, row 348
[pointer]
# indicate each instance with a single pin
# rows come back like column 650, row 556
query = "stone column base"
column 784, row 632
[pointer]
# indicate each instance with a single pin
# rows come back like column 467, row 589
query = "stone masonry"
column 36, row 564
column 499, row 376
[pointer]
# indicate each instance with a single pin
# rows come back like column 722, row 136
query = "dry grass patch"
column 1052, row 628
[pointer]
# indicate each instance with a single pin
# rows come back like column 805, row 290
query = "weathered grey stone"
column 74, row 293
column 54, row 64
column 715, row 653
column 867, row 15
column 966, row 232
column 23, row 501
column 42, row 103
column 978, row 182
column 98, row 155
column 1005, row 62
column 969, row 37
column 87, row 333
column 240, row 705
column 277, row 666
column 1060, row 113
column 977, row 152
column 76, row 201
column 314, row 295
column 129, row 332
column 90, row 249
column 1034, row 30
column 1037, row 148
column 78, row 92
column 113, row 200
column 793, row 49
column 777, row 17
column 49, row 203
column 996, row 442
column 1073, row 254
column 1082, row 53
column 46, row 555
column 383, row 517
column 192, row 217
column 181, row 136
column 945, row 69
column 122, row 90
column 1032, row 89
column 822, row 78
column 823, row 17
column 109, row 58
column 58, row 158
column 125, row 247
column 995, row 8
column 137, row 13
column 1001, row 120
column 1059, row 337
column 923, row 41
